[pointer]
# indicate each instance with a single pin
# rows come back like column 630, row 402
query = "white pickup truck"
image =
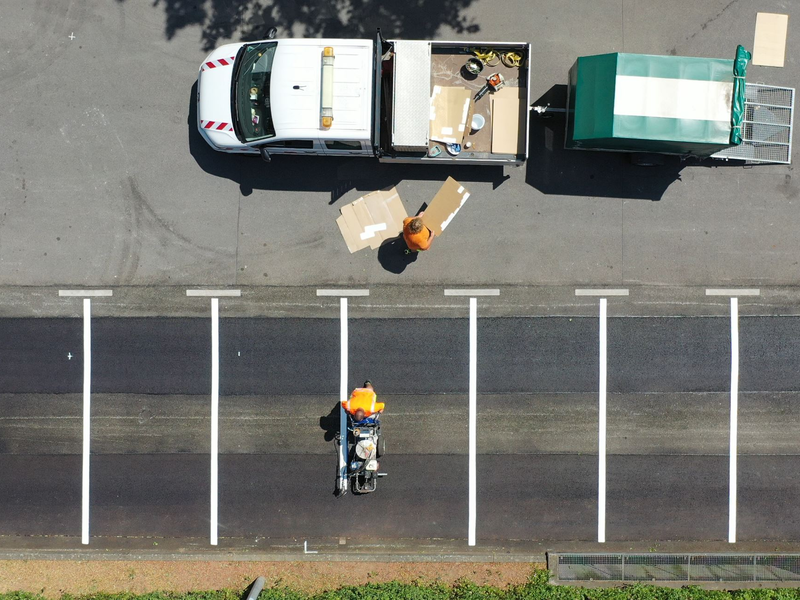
column 375, row 98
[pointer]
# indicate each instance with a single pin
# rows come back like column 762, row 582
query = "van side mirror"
column 265, row 154
column 272, row 32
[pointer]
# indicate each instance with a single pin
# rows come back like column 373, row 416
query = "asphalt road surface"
column 537, row 428
column 106, row 181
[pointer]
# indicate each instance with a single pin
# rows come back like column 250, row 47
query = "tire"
column 381, row 450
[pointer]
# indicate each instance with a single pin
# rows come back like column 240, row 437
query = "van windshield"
column 251, row 92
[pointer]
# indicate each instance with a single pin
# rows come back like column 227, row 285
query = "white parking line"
column 342, row 293
column 87, row 412
column 85, row 293
column 478, row 292
column 734, row 428
column 214, row 420
column 601, row 446
column 343, row 389
column 732, row 292
column 473, row 417
column 601, row 292
column 214, row 293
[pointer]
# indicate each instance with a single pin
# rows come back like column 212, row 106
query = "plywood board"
column 508, row 122
column 444, row 206
column 769, row 46
column 449, row 110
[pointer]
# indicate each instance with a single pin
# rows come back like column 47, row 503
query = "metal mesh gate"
column 675, row 567
column 767, row 126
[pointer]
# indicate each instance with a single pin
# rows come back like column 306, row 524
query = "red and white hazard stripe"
column 216, row 125
column 220, row 62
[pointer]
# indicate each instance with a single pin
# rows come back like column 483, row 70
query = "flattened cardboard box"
column 449, row 111
column 769, row 45
column 371, row 219
column 444, row 206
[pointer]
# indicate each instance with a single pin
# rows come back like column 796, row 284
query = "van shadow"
column 333, row 175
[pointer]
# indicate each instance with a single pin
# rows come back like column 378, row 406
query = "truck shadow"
column 334, row 175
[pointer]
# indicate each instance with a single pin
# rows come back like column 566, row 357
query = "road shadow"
column 248, row 20
column 333, row 175
column 554, row 170
column 392, row 256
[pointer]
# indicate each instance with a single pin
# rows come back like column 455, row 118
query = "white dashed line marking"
column 473, row 413
column 85, row 293
column 601, row 446
column 87, row 412
column 214, row 293
column 732, row 292
column 458, row 292
column 343, row 395
column 601, row 292
column 342, row 293
column 214, row 420
column 734, row 426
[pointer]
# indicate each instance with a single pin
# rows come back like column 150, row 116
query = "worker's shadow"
column 392, row 255
column 330, row 423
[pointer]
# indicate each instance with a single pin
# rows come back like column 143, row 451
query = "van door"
column 346, row 148
column 294, row 147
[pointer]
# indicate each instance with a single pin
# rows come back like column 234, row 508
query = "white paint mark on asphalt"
column 473, row 417
column 84, row 293
column 601, row 446
column 214, row 419
column 601, row 292
column 342, row 293
column 214, row 293
column 71, row 36
column 306, row 550
column 87, row 413
column 734, row 419
column 69, row 355
column 732, row 292
column 476, row 292
column 343, row 390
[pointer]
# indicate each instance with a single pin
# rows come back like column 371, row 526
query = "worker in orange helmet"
column 363, row 404
column 418, row 236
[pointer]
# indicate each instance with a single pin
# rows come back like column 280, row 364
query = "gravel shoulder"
column 55, row 578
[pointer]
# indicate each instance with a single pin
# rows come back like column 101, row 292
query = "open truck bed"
column 410, row 73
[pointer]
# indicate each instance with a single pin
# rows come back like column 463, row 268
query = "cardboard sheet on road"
column 508, row 121
column 444, row 206
column 449, row 111
column 769, row 46
column 371, row 219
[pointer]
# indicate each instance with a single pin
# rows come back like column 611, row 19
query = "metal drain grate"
column 767, row 127
column 675, row 567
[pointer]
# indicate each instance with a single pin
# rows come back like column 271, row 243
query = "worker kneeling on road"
column 418, row 237
column 363, row 404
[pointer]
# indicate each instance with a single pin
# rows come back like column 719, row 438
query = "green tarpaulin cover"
column 648, row 103
column 737, row 110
